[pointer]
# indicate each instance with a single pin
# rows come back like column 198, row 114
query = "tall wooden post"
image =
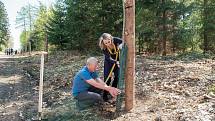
column 129, row 37
column 41, row 86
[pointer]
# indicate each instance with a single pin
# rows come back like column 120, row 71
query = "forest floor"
column 172, row 88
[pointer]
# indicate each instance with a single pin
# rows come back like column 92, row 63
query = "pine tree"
column 4, row 31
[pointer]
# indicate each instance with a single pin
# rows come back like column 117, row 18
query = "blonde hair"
column 101, row 40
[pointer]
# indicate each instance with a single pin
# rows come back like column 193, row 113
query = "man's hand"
column 113, row 91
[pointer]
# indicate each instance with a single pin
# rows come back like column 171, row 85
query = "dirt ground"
column 166, row 89
column 16, row 94
column 170, row 90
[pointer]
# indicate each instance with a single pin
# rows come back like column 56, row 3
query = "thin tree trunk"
column 158, row 43
column 205, row 28
column 46, row 47
column 46, row 41
column 164, row 34
column 29, row 15
column 26, row 46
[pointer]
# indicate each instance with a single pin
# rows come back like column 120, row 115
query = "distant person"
column 87, row 86
column 11, row 51
column 15, row 52
column 22, row 51
column 110, row 47
column 7, row 51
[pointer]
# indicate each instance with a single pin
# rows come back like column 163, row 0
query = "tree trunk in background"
column 46, row 48
column 29, row 47
column 164, row 39
column 205, row 37
column 158, row 36
column 26, row 46
column 129, row 36
column 30, row 21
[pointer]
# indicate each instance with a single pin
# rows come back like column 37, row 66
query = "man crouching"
column 87, row 86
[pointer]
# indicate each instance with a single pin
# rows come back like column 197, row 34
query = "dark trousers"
column 89, row 98
column 107, row 69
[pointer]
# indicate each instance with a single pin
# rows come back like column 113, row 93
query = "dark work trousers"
column 107, row 69
column 89, row 98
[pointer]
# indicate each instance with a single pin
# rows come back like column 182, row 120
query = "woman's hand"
column 118, row 63
column 120, row 46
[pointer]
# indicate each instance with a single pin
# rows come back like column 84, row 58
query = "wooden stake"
column 129, row 37
column 41, row 86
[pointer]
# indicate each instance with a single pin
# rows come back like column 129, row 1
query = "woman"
column 110, row 47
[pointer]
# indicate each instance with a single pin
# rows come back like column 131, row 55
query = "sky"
column 12, row 7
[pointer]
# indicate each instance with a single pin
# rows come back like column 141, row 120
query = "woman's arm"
column 108, row 57
column 117, row 40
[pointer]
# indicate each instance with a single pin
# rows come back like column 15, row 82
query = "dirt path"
column 16, row 92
